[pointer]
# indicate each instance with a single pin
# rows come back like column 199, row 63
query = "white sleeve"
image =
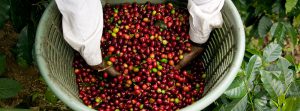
column 82, row 24
column 204, row 16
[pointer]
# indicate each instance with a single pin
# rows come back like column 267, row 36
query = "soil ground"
column 32, row 95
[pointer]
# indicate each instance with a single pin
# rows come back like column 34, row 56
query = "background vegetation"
column 269, row 77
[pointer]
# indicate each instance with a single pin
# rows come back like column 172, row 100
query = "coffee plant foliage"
column 24, row 15
column 276, row 20
column 267, row 80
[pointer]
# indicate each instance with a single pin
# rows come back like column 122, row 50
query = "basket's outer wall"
column 223, row 56
column 54, row 58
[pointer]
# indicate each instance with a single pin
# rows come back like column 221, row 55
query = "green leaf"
column 254, row 30
column 273, row 105
column 271, row 84
column 264, row 26
column 14, row 109
column 278, row 32
column 272, row 68
column 4, row 11
column 238, row 104
column 283, row 64
column 50, row 97
column 261, row 104
column 254, row 63
column 251, row 81
column 237, row 89
column 247, row 56
column 292, row 32
column 294, row 89
column 37, row 11
column 20, row 13
column 287, row 74
column 251, row 17
column 297, row 68
column 296, row 21
column 254, row 51
column 2, row 63
column 243, row 65
column 295, row 11
column 278, row 8
column 9, row 88
column 259, row 90
column 242, row 7
column 24, row 48
column 281, row 99
column 290, row 58
column 263, row 6
column 22, row 62
column 251, row 70
column 223, row 99
column 290, row 4
column 276, row 74
column 272, row 52
column 291, row 104
column 35, row 95
column 219, row 108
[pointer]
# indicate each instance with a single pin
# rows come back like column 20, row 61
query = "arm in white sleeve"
column 82, row 24
column 205, row 15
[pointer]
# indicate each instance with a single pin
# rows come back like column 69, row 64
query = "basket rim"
column 205, row 101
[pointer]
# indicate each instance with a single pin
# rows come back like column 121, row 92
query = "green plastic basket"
column 223, row 56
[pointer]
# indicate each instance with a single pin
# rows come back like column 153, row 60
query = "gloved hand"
column 104, row 67
column 189, row 56
column 205, row 15
column 82, row 24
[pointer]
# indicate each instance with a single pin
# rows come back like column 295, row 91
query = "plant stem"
column 251, row 101
column 249, row 93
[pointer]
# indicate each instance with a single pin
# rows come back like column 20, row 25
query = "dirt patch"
column 32, row 95
column 296, row 52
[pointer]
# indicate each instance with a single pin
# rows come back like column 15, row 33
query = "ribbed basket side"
column 219, row 54
column 57, row 55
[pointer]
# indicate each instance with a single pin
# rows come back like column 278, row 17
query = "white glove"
column 82, row 24
column 205, row 15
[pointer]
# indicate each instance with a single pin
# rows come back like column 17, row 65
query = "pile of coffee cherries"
column 143, row 42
